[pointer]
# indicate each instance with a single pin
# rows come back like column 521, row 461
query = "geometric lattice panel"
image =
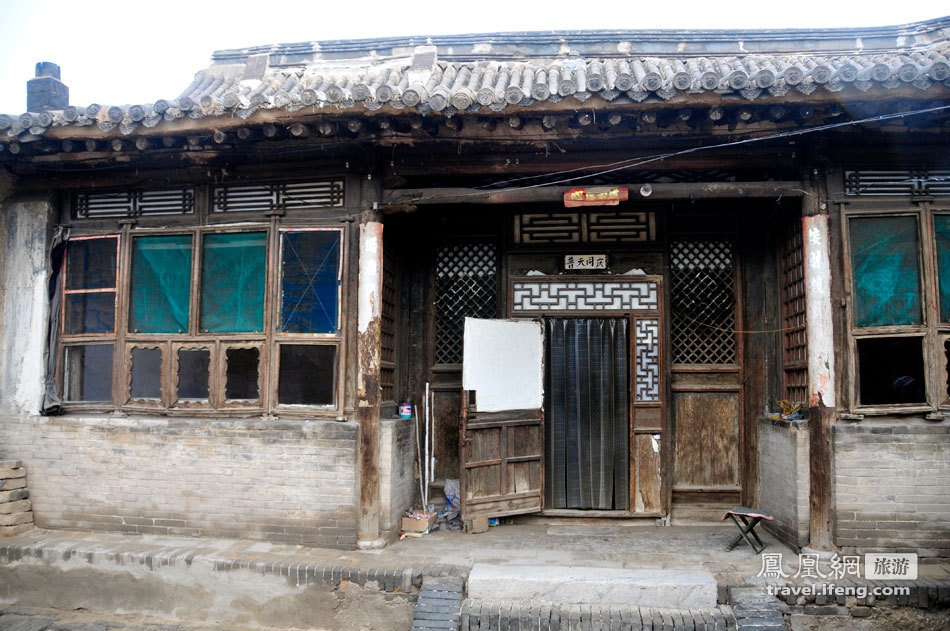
column 387, row 330
column 466, row 285
column 617, row 226
column 911, row 183
column 794, row 339
column 648, row 360
column 177, row 201
column 277, row 196
column 702, row 302
column 608, row 295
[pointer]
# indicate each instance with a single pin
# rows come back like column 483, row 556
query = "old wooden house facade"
column 212, row 305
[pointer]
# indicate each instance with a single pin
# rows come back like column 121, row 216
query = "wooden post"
column 368, row 350
column 821, row 370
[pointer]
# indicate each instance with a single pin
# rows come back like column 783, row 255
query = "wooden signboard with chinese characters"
column 585, row 261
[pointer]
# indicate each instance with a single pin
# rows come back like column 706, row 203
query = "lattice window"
column 648, row 360
column 905, row 183
column 794, row 339
column 466, row 285
column 615, row 226
column 607, row 295
column 277, row 196
column 176, row 201
column 387, row 330
column 703, row 302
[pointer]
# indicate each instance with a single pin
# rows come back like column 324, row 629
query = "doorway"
column 587, row 407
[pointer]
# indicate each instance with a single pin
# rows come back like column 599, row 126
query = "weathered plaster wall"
column 23, row 303
column 783, row 478
column 892, row 486
column 282, row 481
column 398, row 487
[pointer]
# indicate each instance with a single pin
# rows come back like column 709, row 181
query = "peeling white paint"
column 818, row 307
column 655, row 441
column 24, row 308
column 503, row 361
column 368, row 302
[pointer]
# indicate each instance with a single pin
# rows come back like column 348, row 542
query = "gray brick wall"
column 280, row 481
column 892, row 486
column 783, row 478
column 398, row 486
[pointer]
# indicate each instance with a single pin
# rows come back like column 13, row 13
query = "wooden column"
column 368, row 351
column 821, row 369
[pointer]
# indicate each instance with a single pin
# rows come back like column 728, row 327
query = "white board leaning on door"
column 503, row 362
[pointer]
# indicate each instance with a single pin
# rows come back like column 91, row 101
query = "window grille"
column 387, row 330
column 703, row 301
column 466, row 285
column 120, row 204
column 794, row 340
column 277, row 196
column 913, row 183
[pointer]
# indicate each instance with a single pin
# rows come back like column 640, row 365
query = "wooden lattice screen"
column 703, row 303
column 794, row 340
column 387, row 330
column 466, row 285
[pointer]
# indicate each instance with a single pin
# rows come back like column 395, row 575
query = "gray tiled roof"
column 423, row 81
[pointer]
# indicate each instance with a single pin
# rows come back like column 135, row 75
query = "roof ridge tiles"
column 452, row 83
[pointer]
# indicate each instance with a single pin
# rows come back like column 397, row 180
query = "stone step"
column 663, row 589
column 439, row 604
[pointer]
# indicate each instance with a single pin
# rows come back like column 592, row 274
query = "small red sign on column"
column 595, row 196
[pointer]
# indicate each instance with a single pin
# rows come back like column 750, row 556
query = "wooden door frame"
column 660, row 314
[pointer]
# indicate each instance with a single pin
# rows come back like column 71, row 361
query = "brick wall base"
column 285, row 481
column 783, row 478
column 892, row 486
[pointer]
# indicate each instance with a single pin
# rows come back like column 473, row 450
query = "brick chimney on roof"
column 45, row 91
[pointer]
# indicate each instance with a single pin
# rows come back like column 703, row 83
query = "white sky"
column 136, row 52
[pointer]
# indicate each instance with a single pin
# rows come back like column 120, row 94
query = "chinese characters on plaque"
column 585, row 261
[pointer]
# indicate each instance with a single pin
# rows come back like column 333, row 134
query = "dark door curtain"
column 587, row 426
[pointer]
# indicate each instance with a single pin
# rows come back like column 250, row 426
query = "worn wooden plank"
column 706, row 439
column 648, row 496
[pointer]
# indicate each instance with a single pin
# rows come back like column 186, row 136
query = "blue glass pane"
column 232, row 282
column 886, row 271
column 89, row 313
column 90, row 263
column 161, row 284
column 942, row 228
column 310, row 282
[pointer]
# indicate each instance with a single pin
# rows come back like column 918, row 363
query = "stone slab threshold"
column 663, row 589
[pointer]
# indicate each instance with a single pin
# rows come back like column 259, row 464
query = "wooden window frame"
column 931, row 330
column 267, row 341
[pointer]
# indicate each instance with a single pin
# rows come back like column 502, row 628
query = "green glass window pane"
column 886, row 271
column 942, row 230
column 161, row 284
column 232, row 282
column 310, row 281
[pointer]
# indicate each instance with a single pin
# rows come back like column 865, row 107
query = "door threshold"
column 600, row 514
